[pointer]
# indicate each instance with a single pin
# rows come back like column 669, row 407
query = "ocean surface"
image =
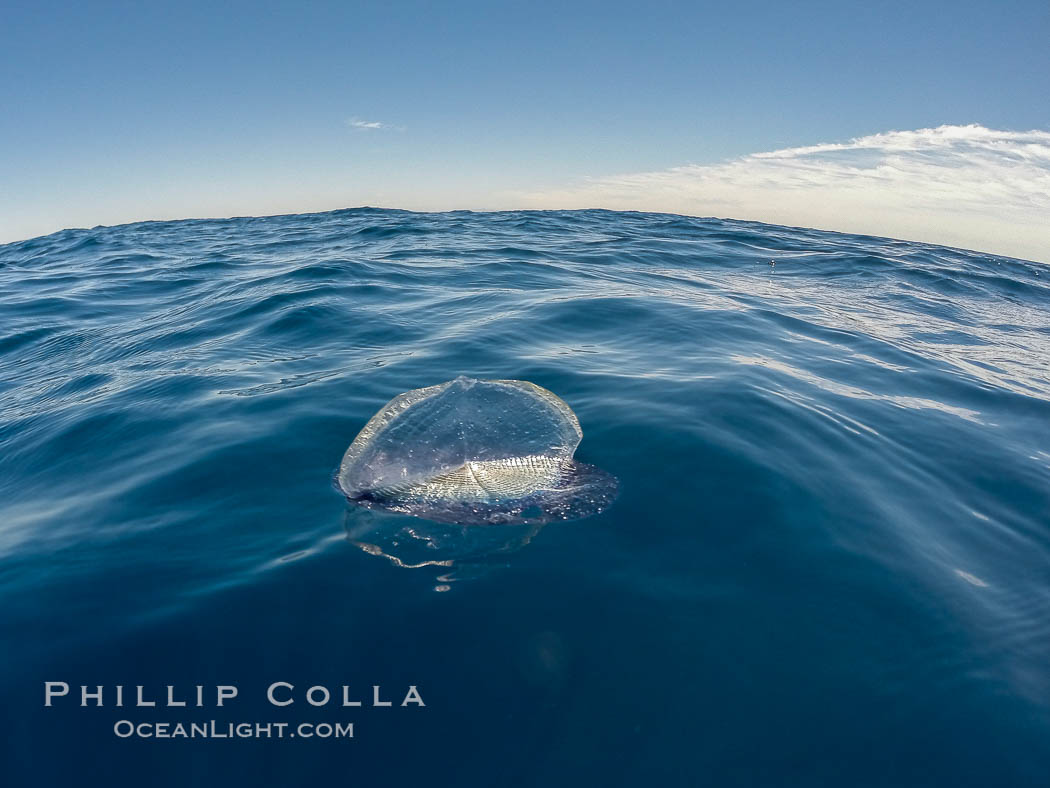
column 828, row 564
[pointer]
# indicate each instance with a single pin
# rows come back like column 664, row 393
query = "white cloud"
column 965, row 186
column 372, row 125
column 365, row 125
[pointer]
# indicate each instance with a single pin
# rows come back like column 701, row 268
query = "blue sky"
column 124, row 111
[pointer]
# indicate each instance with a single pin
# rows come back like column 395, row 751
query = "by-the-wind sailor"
column 475, row 451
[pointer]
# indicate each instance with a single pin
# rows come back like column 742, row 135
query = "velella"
column 475, row 452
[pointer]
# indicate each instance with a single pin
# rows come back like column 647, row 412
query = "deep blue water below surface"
column 828, row 565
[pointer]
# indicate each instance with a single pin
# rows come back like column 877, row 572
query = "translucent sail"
column 475, row 451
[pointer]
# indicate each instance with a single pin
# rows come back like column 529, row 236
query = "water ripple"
column 846, row 433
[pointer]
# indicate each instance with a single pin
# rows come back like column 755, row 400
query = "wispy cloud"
column 370, row 125
column 364, row 125
column 966, row 186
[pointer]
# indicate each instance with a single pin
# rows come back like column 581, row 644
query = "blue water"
column 829, row 563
